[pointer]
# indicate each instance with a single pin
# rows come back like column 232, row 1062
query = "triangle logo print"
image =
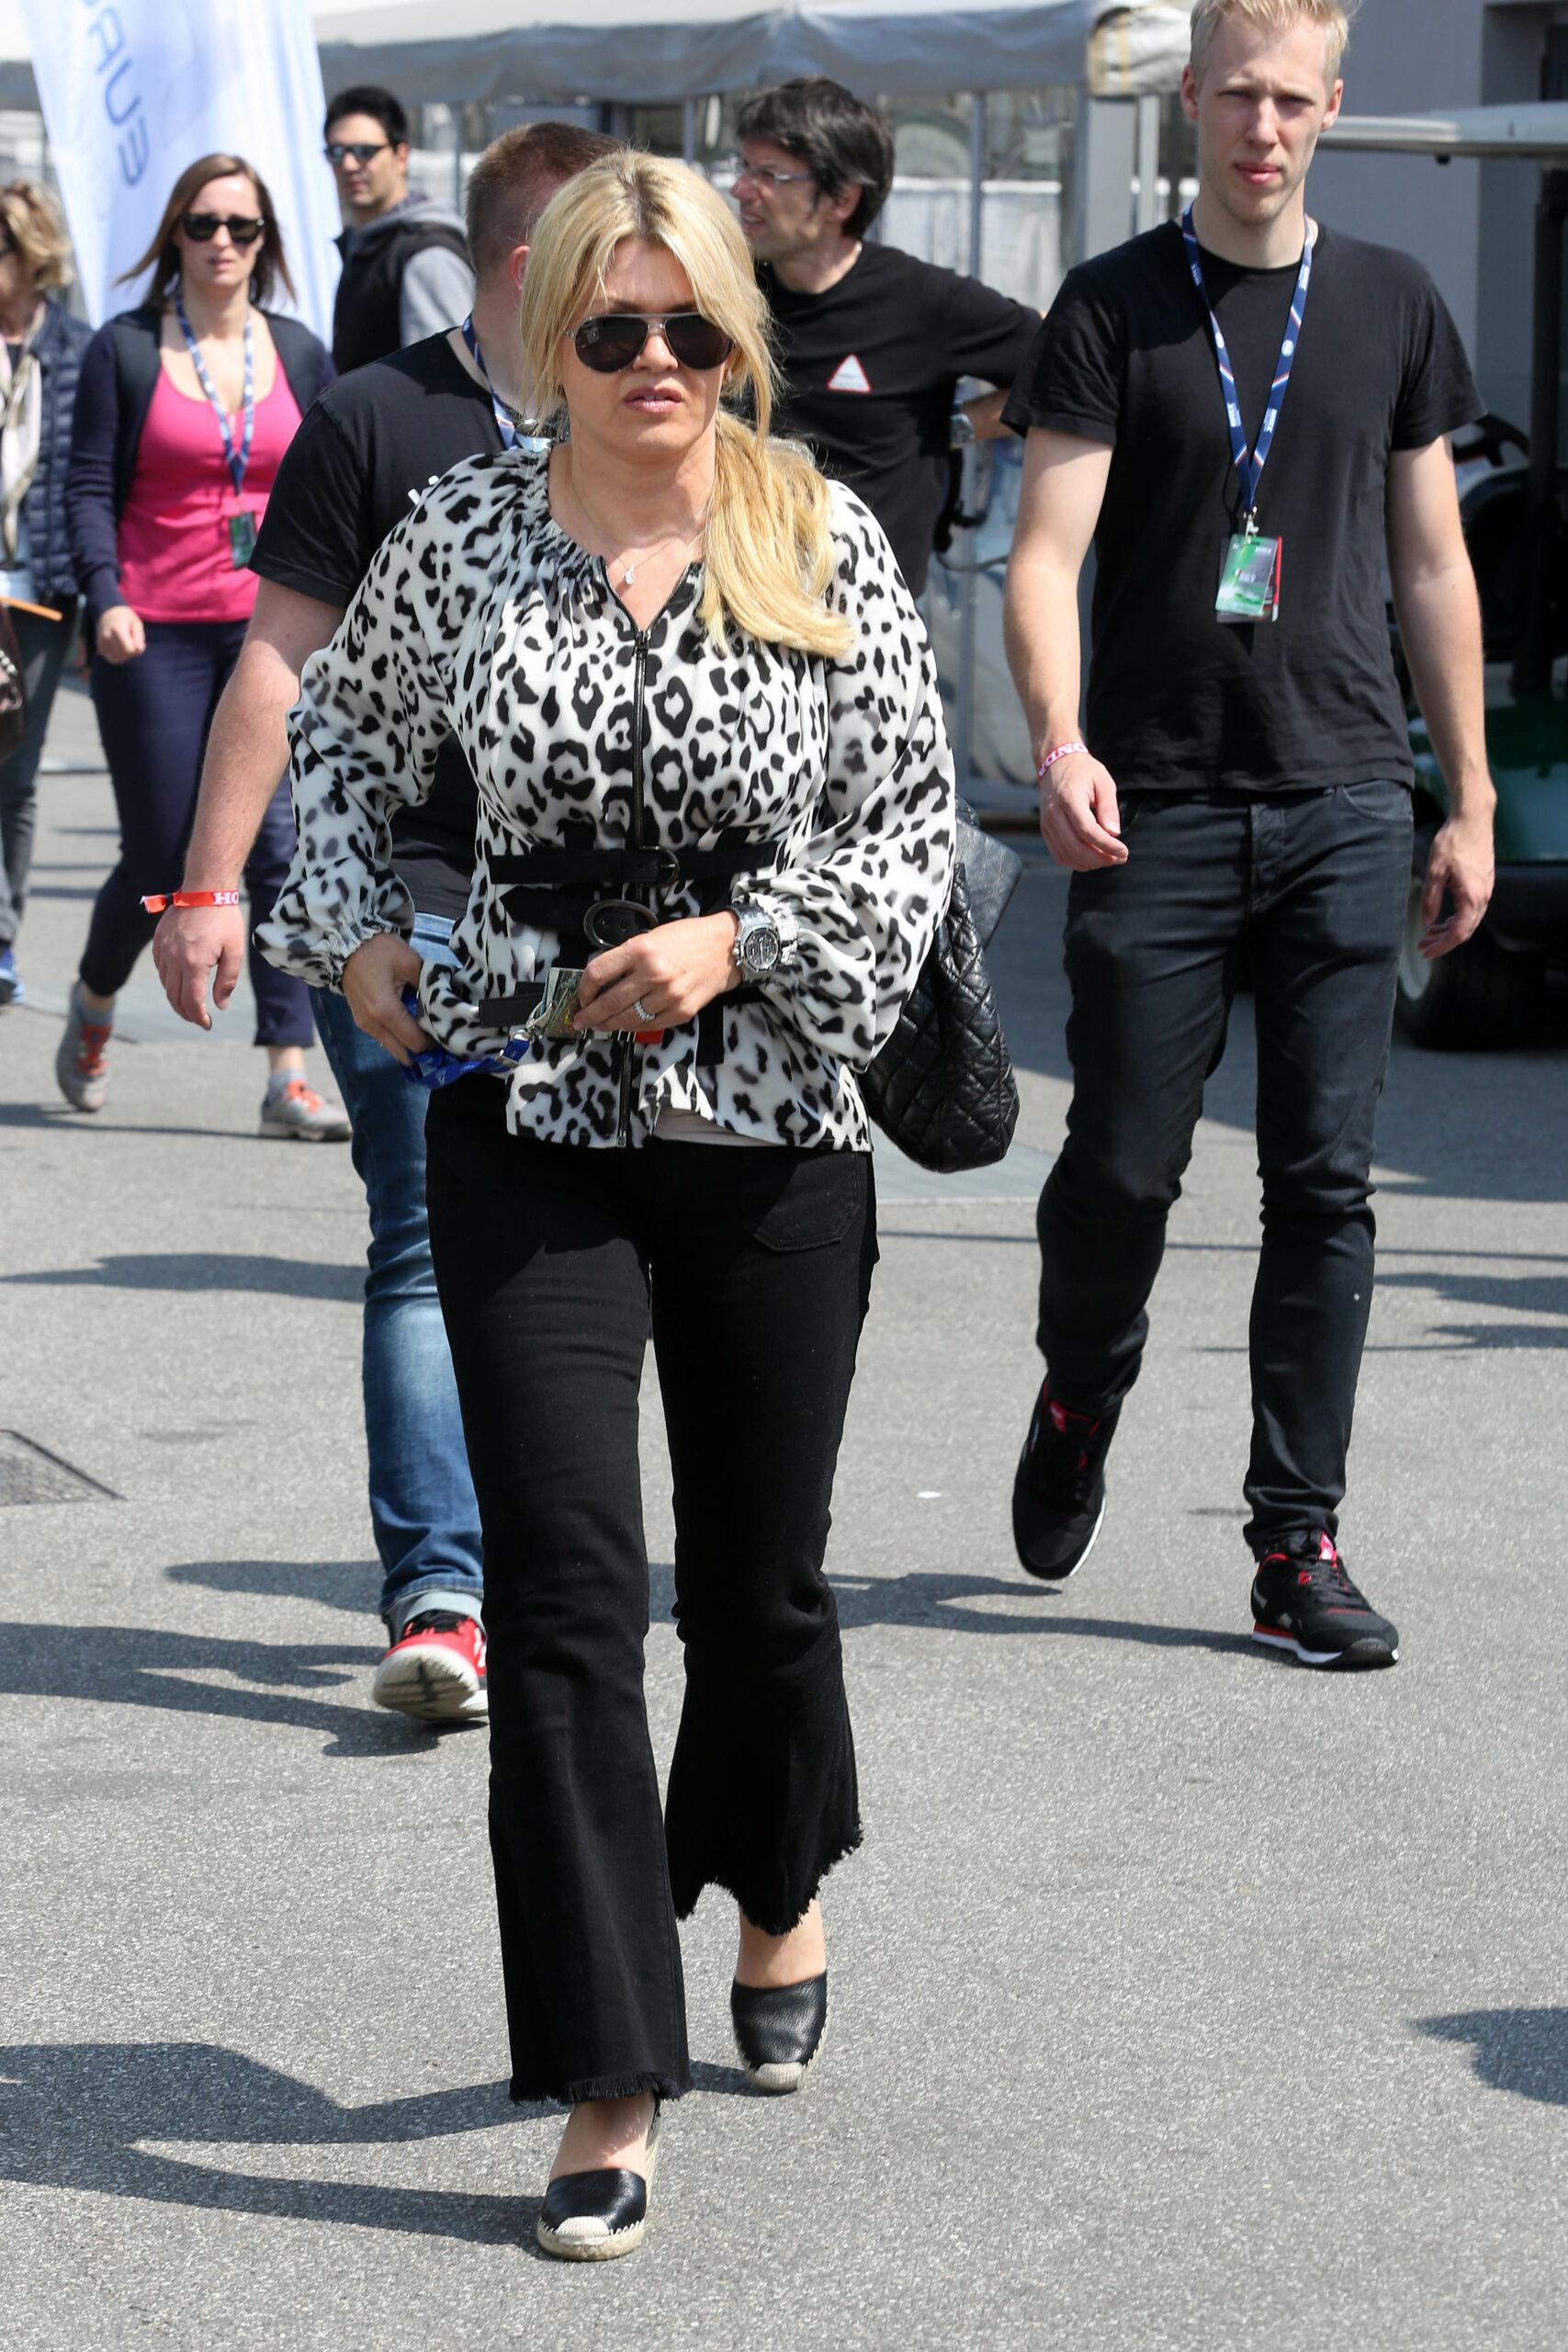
column 849, row 376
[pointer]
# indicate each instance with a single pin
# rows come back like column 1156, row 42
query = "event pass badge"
column 1250, row 574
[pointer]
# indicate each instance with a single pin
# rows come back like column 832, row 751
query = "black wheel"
column 1480, row 996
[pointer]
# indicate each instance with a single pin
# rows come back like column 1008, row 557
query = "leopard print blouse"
column 481, row 617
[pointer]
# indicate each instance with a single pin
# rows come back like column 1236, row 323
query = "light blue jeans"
column 421, row 1498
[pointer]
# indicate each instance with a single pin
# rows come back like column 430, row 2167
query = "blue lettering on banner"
column 108, row 48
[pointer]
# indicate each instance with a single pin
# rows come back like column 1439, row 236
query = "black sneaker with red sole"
column 1058, row 1493
column 1303, row 1600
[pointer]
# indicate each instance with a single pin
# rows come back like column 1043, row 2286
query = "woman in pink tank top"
column 187, row 405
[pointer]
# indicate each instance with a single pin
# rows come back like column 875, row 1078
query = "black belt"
column 553, row 888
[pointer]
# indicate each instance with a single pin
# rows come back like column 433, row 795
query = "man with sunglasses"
column 873, row 343
column 367, row 450
column 406, row 269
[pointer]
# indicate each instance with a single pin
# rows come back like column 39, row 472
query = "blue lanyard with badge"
column 1253, row 565
column 240, row 527
column 507, row 423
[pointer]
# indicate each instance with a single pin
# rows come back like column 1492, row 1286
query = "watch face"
column 760, row 946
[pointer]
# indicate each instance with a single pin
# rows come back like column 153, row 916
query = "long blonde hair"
column 769, row 551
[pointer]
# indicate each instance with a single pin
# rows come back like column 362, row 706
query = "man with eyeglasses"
column 406, row 269
column 871, row 342
column 367, row 450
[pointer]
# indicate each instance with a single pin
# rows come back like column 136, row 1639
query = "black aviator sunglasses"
column 204, row 226
column 609, row 344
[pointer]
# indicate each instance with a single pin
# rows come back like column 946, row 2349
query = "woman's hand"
column 374, row 979
column 121, row 636
column 667, row 974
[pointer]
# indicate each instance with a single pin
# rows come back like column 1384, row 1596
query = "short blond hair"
column 36, row 227
column 1274, row 16
column 768, row 560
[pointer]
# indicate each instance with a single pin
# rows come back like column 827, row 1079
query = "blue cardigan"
column 61, row 344
column 119, row 376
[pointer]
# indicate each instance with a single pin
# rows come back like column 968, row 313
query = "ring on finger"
column 642, row 1013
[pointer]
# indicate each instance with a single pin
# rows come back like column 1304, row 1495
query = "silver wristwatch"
column 756, row 943
column 960, row 430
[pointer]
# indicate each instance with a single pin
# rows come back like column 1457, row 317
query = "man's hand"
column 668, row 974
column 373, row 981
column 121, row 636
column 1461, row 868
column 1079, row 818
column 193, row 945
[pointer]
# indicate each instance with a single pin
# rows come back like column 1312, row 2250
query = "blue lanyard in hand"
column 505, row 422
column 1250, row 463
column 236, row 460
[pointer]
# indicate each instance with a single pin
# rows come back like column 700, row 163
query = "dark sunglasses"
column 204, row 226
column 610, row 344
column 338, row 150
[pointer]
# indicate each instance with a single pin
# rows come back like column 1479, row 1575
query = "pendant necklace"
column 628, row 571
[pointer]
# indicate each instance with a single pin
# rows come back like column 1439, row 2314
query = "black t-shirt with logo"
column 368, row 448
column 869, row 370
column 1178, row 700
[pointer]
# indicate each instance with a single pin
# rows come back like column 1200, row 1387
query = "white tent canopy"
column 647, row 51
column 659, row 52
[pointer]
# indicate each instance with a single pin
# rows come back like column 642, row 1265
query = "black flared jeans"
column 751, row 1269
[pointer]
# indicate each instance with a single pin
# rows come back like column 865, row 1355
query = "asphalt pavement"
column 1182, row 1997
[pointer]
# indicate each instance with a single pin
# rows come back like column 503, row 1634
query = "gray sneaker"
column 80, row 1065
column 293, row 1112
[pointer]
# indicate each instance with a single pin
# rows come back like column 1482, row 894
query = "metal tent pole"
column 968, row 591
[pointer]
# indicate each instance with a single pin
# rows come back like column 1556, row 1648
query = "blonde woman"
column 41, row 347
column 712, row 776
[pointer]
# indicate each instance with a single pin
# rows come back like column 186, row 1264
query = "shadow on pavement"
column 1522, row 2051
column 60, row 1115
column 207, row 1270
column 138, row 1667
column 72, row 2116
column 352, row 1585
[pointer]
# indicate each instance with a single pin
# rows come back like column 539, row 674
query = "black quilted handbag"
column 943, row 1088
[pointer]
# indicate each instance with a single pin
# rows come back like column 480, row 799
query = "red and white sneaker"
column 435, row 1669
column 1303, row 1600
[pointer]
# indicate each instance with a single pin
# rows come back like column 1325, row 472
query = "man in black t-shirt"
column 871, row 342
column 367, row 450
column 1248, row 425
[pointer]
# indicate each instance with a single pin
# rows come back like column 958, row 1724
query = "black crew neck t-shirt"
column 1179, row 701
column 368, row 448
column 869, row 370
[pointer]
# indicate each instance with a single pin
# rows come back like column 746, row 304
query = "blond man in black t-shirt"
column 1247, row 416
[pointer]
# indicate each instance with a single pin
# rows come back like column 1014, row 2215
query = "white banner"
column 134, row 90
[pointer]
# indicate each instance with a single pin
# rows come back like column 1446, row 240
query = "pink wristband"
column 1062, row 751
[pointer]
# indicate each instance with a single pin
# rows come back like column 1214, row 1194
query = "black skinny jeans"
column 1313, row 885
column 752, row 1268
column 154, row 715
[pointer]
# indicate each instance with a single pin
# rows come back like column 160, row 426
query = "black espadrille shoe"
column 596, row 2216
column 779, row 2030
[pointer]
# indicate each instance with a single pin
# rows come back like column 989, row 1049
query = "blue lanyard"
column 238, row 460
column 1250, row 463
column 505, row 423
